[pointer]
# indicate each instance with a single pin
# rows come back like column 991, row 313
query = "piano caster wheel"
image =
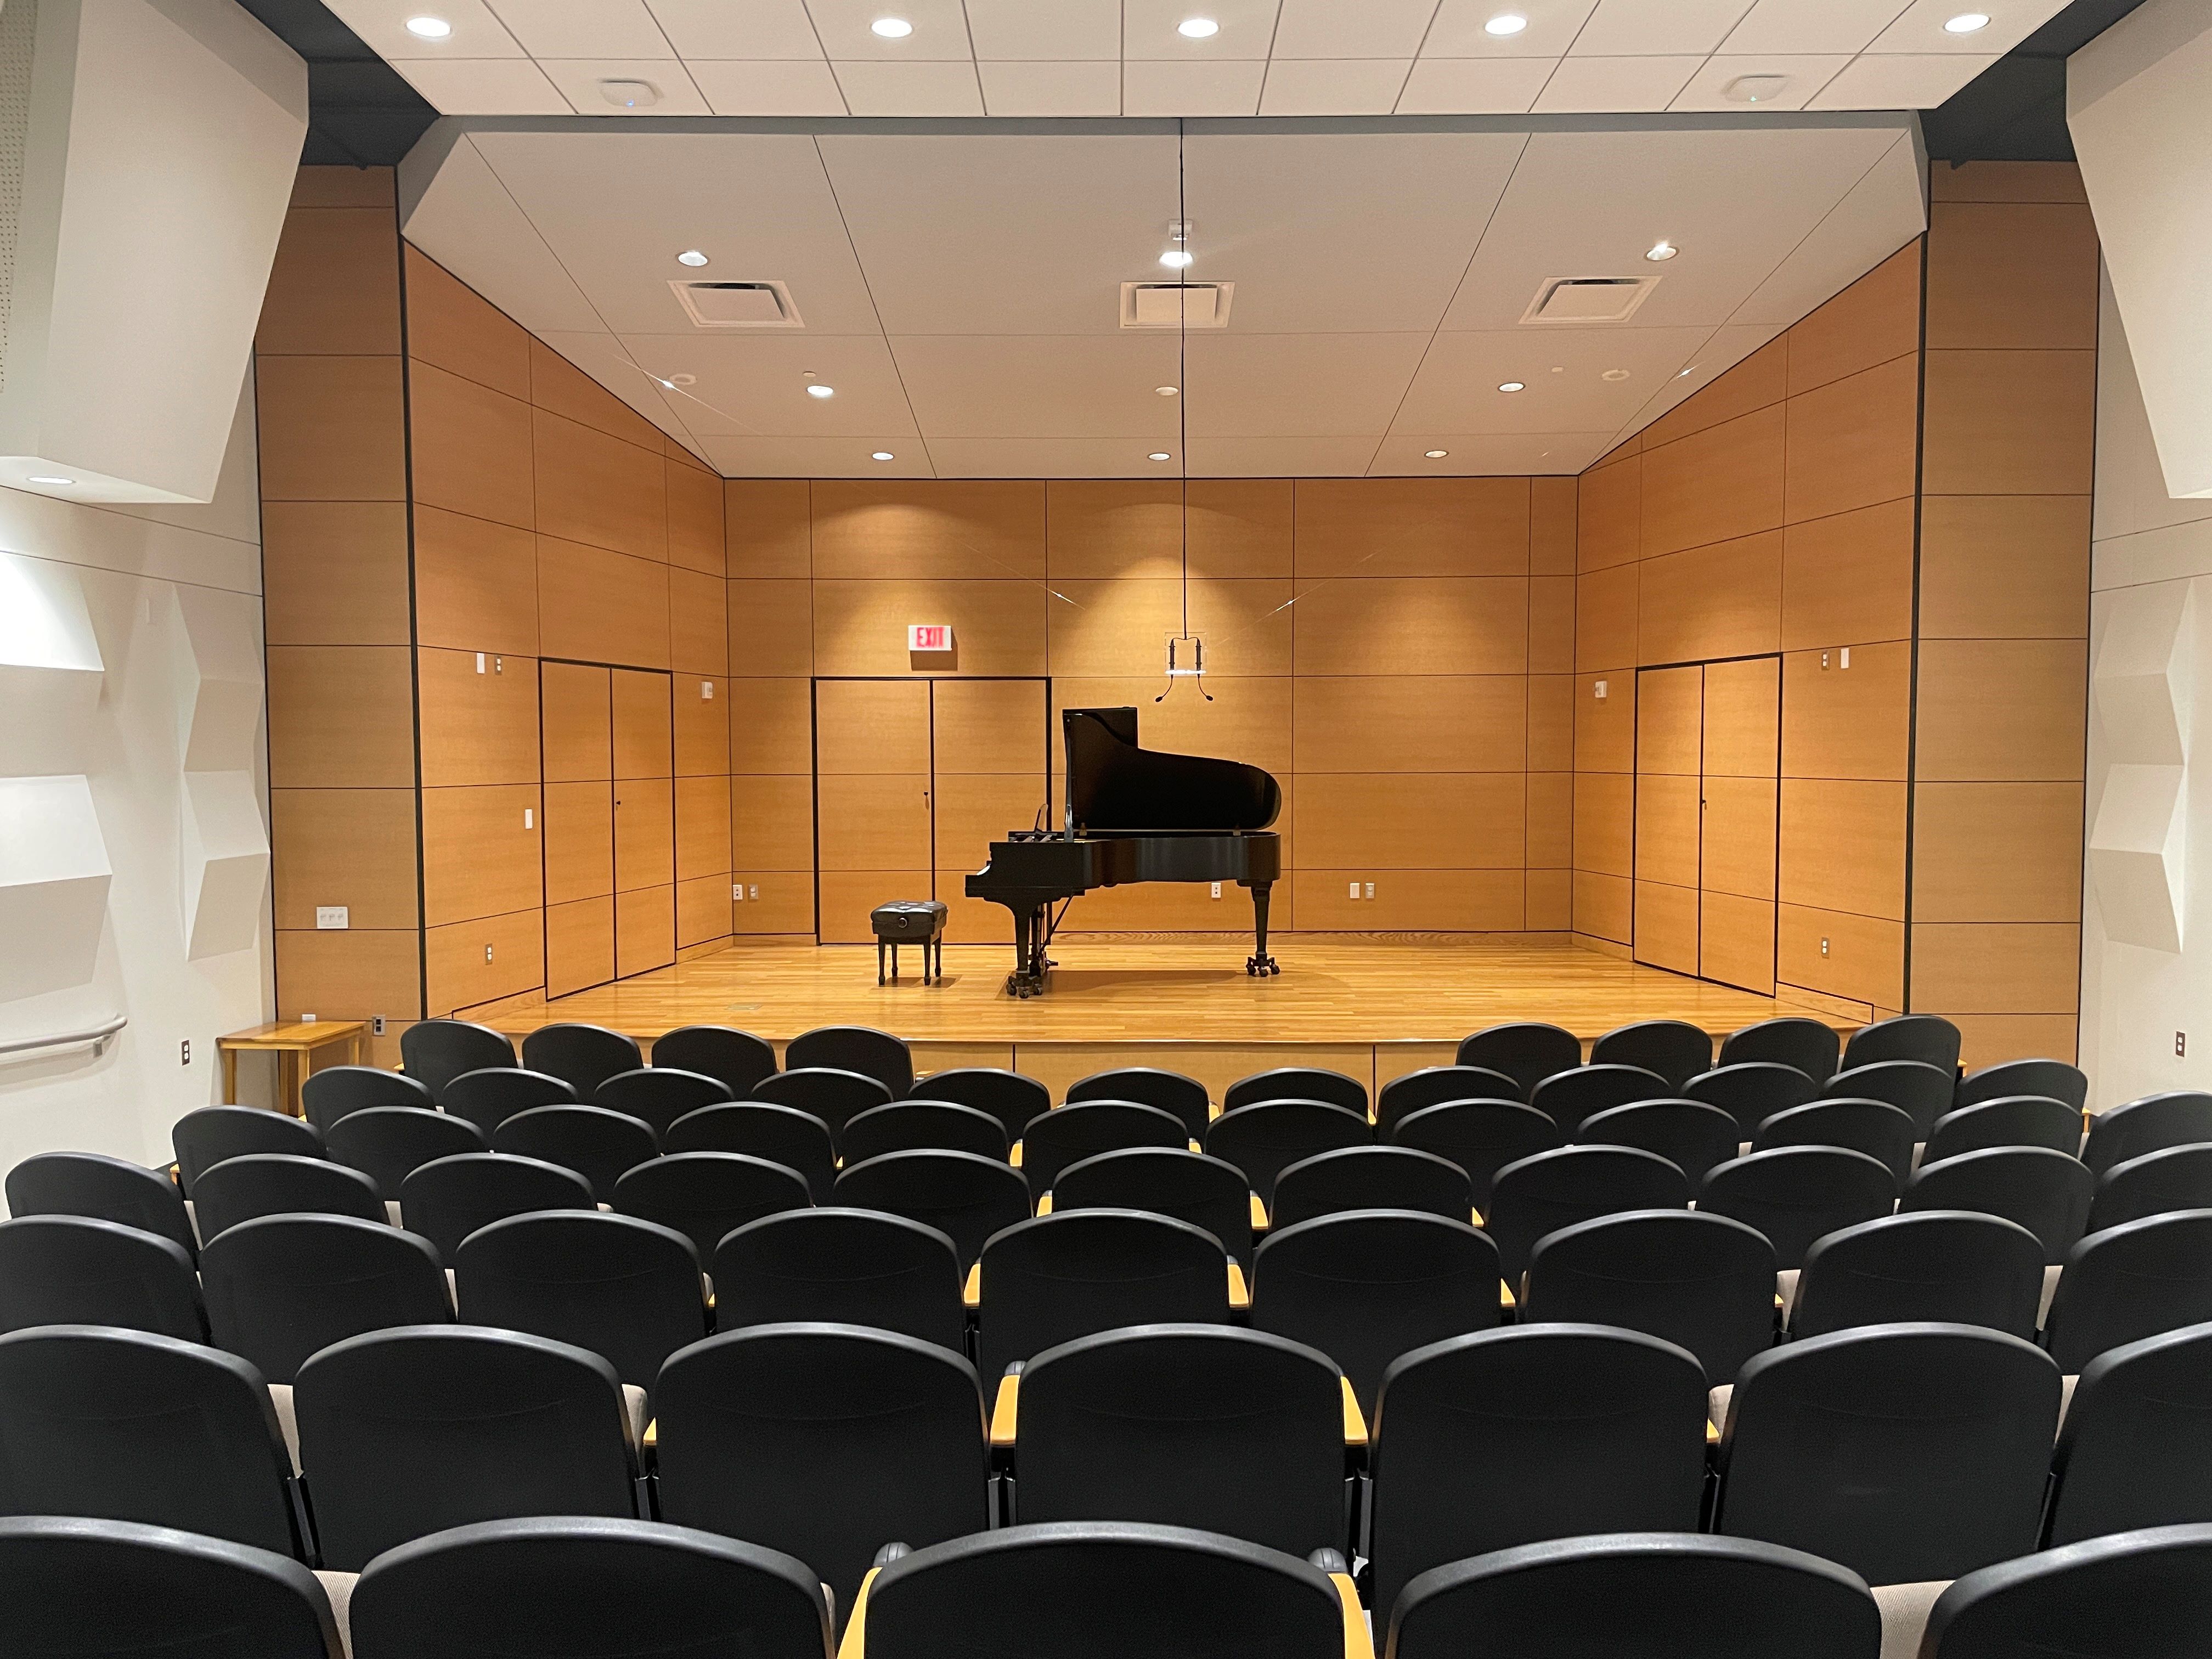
column 1261, row 967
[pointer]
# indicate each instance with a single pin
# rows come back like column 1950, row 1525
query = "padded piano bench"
column 910, row 921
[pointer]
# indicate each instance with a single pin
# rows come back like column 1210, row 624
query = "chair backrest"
column 329, row 1095
column 284, row 1287
column 599, row 1145
column 1268, row 1136
column 1952, row 1265
column 490, row 1097
column 2135, row 1595
column 75, row 1270
column 1367, row 1286
column 1920, row 1090
column 1945, row 1477
column 1066, row 1587
column 2182, row 1118
column 1008, row 1096
column 858, row 1048
column 1753, row 1091
column 1674, row 1049
column 2054, row 1078
column 1580, row 1429
column 1435, row 1086
column 738, row 1058
column 2046, row 1192
column 833, row 1095
column 277, row 1183
column 208, row 1136
column 407, row 1431
column 658, row 1095
column 841, row 1267
column 105, row 1189
column 964, row 1197
column 1929, row 1039
column 582, row 1056
column 1297, row 1083
column 1795, row 1194
column 1058, row 1277
column 1569, row 1097
column 388, row 1144
column 112, row 1590
column 1807, row 1044
column 627, row 1290
column 1068, row 1134
column 2129, row 1282
column 436, row 1051
column 1556, row 1189
column 1232, row 1432
column 1171, row 1091
column 573, row 1587
column 1207, row 1192
column 2157, row 1184
column 1682, row 1595
column 1876, row 1128
column 1527, row 1051
column 1481, row 1136
column 1688, row 1134
column 781, row 1134
column 707, row 1195
column 2135, row 1449
column 1370, row 1178
column 449, row 1198
column 2011, row 1120
column 848, row 1439
column 126, row 1425
column 1702, row 1282
column 906, row 1126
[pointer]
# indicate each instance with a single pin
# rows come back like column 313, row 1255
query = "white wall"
column 131, row 657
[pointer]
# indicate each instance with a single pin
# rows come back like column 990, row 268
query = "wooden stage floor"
column 1375, row 1006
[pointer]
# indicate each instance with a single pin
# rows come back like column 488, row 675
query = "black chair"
column 126, row 1425
column 964, row 1197
column 835, row 1096
column 104, row 1188
column 1078, row 1272
column 1367, row 1286
column 824, row 1441
column 490, row 1097
column 276, row 1183
column 706, row 1195
column 1171, row 1091
column 285, row 1287
column 1905, row 1453
column 576, row 1588
column 1568, row 1098
column 1232, row 1431
column 1511, row 1437
column 2135, row 1449
column 1702, row 1282
column 1795, row 1194
column 2128, row 1282
column 449, row 1198
column 2013, row 1121
column 910, row 1126
column 74, row 1270
column 738, row 1058
column 582, row 1056
column 1008, row 1096
column 625, row 1289
column 599, row 1145
column 858, row 1048
column 208, row 1136
column 1753, row 1091
column 1806, row 1044
column 1688, row 1134
column 408, row 1431
column 388, row 1144
column 1527, row 1052
column 2157, row 1184
column 2052, row 1078
column 841, row 1267
column 1071, row 1133
column 1438, row 1085
column 1297, row 1083
column 329, row 1095
column 2149, row 1125
column 114, row 1590
column 1556, row 1189
column 1952, row 1266
column 1674, row 1049
column 1481, row 1136
column 2046, row 1192
column 1206, row 1191
column 2133, row 1595
column 1370, row 1178
column 1659, row 1595
column 658, row 1095
column 1921, row 1091
column 1928, row 1039
column 436, row 1051
column 781, row 1134
column 1880, row 1130
column 1267, row 1137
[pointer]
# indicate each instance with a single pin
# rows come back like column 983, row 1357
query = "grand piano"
column 1134, row 814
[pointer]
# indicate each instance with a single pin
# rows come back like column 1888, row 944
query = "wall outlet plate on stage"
column 1217, row 890
column 737, row 892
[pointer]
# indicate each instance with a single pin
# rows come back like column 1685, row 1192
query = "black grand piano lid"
column 1114, row 784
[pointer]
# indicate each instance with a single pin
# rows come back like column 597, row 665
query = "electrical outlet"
column 184, row 1052
column 752, row 891
column 1824, row 947
column 2180, row 1044
column 333, row 916
column 487, row 953
column 376, row 1024
column 737, row 892
column 1217, row 890
column 1370, row 893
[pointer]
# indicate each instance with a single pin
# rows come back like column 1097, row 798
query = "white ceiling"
column 1093, row 57
column 959, row 281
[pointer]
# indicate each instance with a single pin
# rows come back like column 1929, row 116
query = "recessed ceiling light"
column 629, row 94
column 691, row 257
column 428, row 28
column 1197, row 28
column 892, row 28
column 1512, row 386
column 683, row 379
column 1167, row 391
column 1505, row 23
column 818, row 390
column 48, row 478
column 1662, row 249
column 1436, row 454
column 883, row 455
column 1615, row 374
column 1176, row 260
column 1966, row 23
column 1160, row 455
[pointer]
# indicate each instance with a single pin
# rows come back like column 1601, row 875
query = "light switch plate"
column 333, row 916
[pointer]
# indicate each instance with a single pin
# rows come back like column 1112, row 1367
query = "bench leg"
column 879, row 961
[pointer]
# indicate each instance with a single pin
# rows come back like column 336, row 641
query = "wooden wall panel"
column 1604, row 905
column 1551, row 526
column 1843, row 845
column 1999, row 851
column 559, row 387
column 1864, row 959
column 772, row 823
column 1847, row 579
column 1411, row 724
column 453, row 328
column 2010, row 422
column 2004, row 566
column 1605, row 619
column 1412, row 527
column 477, row 728
column 1551, row 722
column 579, row 841
column 772, row 626
column 597, row 606
column 1411, row 820
column 1121, row 628
column 1714, row 485
column 349, row 846
column 334, row 287
column 476, row 583
column 702, row 828
column 1721, row 600
column 1407, row 901
column 2012, row 276
column 695, row 519
column 1994, row 709
column 340, row 717
column 1997, row 968
column 953, row 530
column 483, row 854
column 469, row 962
column 1760, row 379
column 1608, row 526
column 767, row 528
column 1448, row 625
column 1250, row 720
column 470, row 447
column 331, row 429
column 1605, row 723
column 1839, row 722
column 701, row 726
column 860, row 627
column 1604, row 821
column 771, row 725
column 334, row 573
column 698, row 623
column 1874, row 320
column 580, row 945
column 1853, row 442
column 598, row 489
column 1099, row 529
column 356, row 974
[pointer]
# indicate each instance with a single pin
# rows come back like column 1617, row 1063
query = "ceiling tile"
column 1591, row 84
column 583, row 28
column 1281, row 458
column 472, row 224
column 1373, row 28
column 1899, row 82
column 484, row 86
column 757, row 383
column 784, row 87
column 1317, row 87
column 1627, row 28
column 1561, row 372
column 382, row 25
column 1264, row 385
column 582, row 81
column 1046, row 89
column 613, row 364
column 1722, row 350
column 1458, row 31
column 1149, row 29
column 940, row 30
column 880, row 88
column 1811, row 25
column 817, row 458
column 1880, row 214
column 1051, row 457
column 1066, row 30
column 1406, row 455
column 1921, row 28
column 1803, row 77
column 1194, row 88
column 1473, row 86
column 758, row 29
column 1086, row 386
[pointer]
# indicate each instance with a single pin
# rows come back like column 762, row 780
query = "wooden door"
column 576, row 727
column 988, row 741
column 645, row 822
column 872, row 808
column 1669, row 748
column 1742, row 766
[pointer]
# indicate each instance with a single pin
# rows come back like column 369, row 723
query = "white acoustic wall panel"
column 49, row 666
column 226, row 863
column 2143, row 670
column 217, row 644
column 150, row 146
column 53, row 884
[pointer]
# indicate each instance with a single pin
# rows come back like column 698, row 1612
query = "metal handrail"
column 97, row 1035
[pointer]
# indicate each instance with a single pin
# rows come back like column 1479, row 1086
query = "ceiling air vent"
column 737, row 304
column 1585, row 300
column 1169, row 305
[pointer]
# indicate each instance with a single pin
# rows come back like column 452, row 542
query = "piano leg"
column 1028, row 978
column 1260, row 964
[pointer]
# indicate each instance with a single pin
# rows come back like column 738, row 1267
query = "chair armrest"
column 971, row 1293
column 1355, row 1422
column 1712, row 1433
column 1195, row 1147
column 1505, row 1296
column 855, row 1643
column 1357, row 1643
column 1240, row 1300
column 1006, row 1411
column 1260, row 1223
column 651, row 1438
column 1014, row 1155
column 1044, row 1204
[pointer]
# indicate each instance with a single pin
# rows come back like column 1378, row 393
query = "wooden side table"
column 293, row 1041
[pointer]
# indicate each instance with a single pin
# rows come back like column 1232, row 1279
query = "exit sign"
column 929, row 636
